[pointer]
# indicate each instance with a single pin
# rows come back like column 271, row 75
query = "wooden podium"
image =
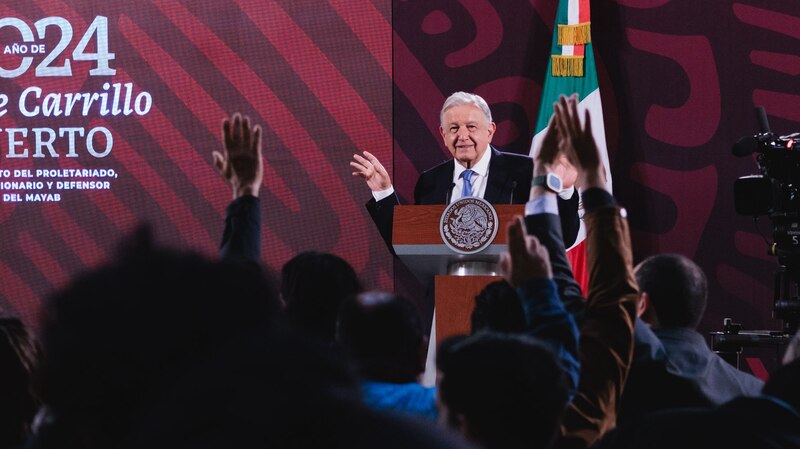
column 458, row 278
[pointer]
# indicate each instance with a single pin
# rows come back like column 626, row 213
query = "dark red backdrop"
column 316, row 74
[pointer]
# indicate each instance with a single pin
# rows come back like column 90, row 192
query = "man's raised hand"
column 371, row 170
column 578, row 144
column 240, row 163
column 549, row 158
column 526, row 257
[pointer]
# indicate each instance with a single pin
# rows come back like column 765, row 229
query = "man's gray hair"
column 462, row 98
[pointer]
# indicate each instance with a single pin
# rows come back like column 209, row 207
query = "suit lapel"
column 443, row 184
column 440, row 182
column 498, row 174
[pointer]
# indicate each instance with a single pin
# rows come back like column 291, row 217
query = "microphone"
column 511, row 196
column 763, row 121
column 449, row 193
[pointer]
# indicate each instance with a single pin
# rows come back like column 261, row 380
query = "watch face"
column 551, row 182
column 554, row 182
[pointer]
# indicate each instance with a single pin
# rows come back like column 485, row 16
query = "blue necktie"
column 467, row 189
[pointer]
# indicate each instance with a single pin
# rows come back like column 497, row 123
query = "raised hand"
column 370, row 169
column 526, row 257
column 240, row 163
column 577, row 142
column 548, row 157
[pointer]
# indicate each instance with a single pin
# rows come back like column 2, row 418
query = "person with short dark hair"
column 502, row 390
column 313, row 286
column 383, row 334
column 673, row 293
column 19, row 395
column 497, row 308
column 120, row 337
column 675, row 288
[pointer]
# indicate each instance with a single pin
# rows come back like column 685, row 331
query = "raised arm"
column 381, row 205
column 606, row 334
column 526, row 266
column 542, row 219
column 370, row 169
column 241, row 165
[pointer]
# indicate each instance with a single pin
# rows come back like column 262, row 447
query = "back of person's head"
column 502, row 390
column 19, row 398
column 121, row 336
column 498, row 308
column 676, row 288
column 383, row 333
column 313, row 285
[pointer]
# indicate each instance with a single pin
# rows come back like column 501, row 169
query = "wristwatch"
column 550, row 181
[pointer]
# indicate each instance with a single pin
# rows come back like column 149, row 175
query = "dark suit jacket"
column 241, row 239
column 509, row 183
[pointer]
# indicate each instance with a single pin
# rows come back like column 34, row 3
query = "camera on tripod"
column 775, row 192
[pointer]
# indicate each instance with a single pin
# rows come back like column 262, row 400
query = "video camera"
column 775, row 192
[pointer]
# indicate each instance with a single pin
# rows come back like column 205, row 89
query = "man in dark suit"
column 477, row 169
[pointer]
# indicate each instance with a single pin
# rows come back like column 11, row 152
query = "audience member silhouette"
column 497, row 308
column 383, row 334
column 673, row 354
column 769, row 420
column 313, row 286
column 166, row 349
column 674, row 293
column 19, row 396
column 502, row 390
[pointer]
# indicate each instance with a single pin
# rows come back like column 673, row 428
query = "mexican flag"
column 571, row 69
